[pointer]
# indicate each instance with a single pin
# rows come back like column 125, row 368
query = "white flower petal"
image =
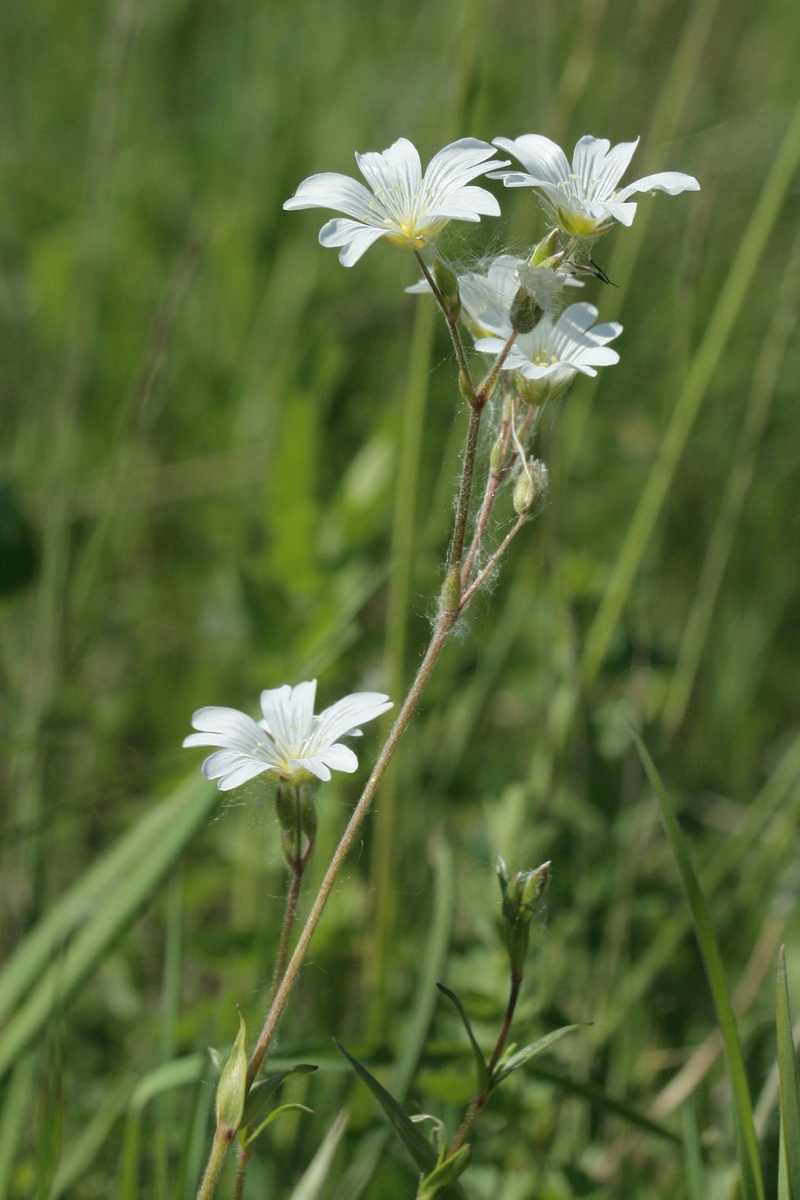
column 468, row 204
column 671, row 182
column 354, row 238
column 232, row 769
column 456, row 165
column 340, row 758
column 624, row 213
column 348, row 714
column 316, row 765
column 599, row 167
column 540, row 157
column 225, row 727
column 332, row 190
column 578, row 317
column 395, row 173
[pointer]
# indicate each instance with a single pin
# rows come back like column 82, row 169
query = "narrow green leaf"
column 523, row 1056
column 418, row 1147
column 783, row 1178
column 787, row 1065
column 414, row 1141
column 273, row 1116
column 260, row 1092
column 750, row 1166
column 481, row 1066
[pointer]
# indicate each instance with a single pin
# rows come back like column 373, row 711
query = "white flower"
column 582, row 199
column 290, row 740
column 548, row 358
column 487, row 296
column 403, row 208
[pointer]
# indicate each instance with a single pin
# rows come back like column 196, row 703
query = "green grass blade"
column 318, row 1171
column 44, row 942
column 783, row 1178
column 126, row 895
column 790, row 1101
column 80, row 1156
column 732, row 297
column 696, row 1183
column 14, row 1116
column 604, row 1101
column 752, row 1182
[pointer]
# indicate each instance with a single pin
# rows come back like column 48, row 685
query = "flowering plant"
column 514, row 309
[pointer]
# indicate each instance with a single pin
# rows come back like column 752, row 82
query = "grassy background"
column 203, row 415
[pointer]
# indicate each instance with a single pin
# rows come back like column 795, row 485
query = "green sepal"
column 232, row 1086
column 261, row 1092
column 447, row 283
column 790, row 1101
column 414, row 1141
column 481, row 1065
column 523, row 1056
column 446, row 1172
column 543, row 251
column 525, row 313
column 276, row 1112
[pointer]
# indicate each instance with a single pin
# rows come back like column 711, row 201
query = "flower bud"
column 308, row 814
column 530, row 488
column 522, row 895
column 450, row 595
column 526, row 312
column 232, row 1086
column 542, row 252
column 497, row 455
column 447, row 284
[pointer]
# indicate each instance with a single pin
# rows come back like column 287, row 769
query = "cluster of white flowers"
column 512, row 307
column 409, row 209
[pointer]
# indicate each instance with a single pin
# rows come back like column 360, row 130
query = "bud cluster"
column 522, row 896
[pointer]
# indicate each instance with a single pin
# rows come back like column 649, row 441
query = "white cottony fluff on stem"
column 487, row 296
column 289, row 740
column 404, row 207
column 582, row 198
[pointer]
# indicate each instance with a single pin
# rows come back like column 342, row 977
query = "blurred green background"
column 228, row 463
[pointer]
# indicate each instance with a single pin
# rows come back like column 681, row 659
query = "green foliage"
column 229, row 465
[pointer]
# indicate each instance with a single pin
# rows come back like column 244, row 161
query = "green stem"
column 219, row 1148
column 478, row 1102
column 483, row 575
column 455, row 336
column 443, row 627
